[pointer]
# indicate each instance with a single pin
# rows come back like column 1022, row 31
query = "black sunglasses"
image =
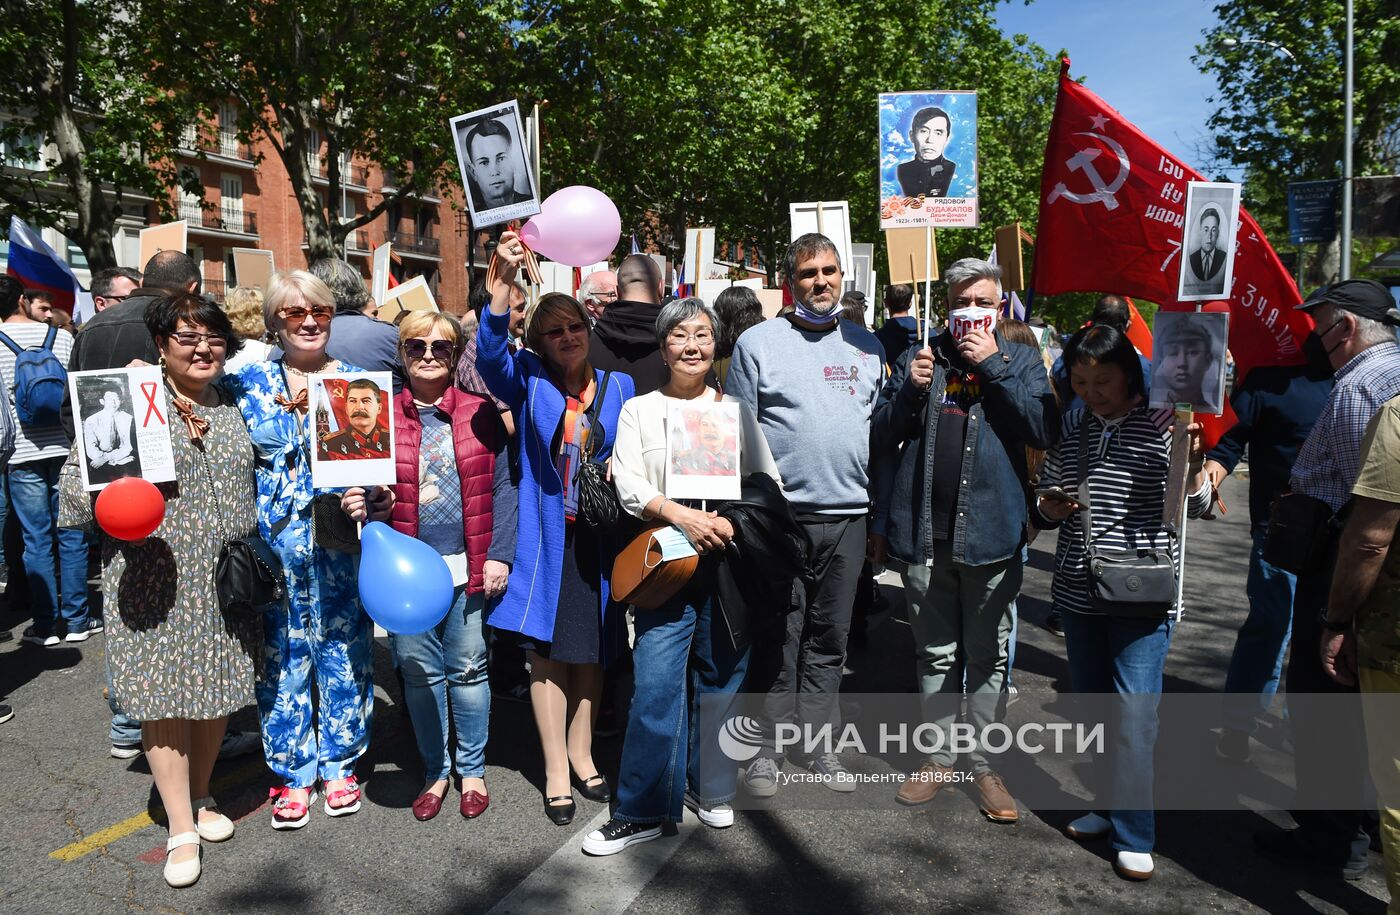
column 416, row 349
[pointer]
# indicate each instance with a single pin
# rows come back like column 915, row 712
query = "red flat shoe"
column 474, row 804
column 427, row 806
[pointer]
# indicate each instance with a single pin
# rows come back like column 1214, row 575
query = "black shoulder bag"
column 247, row 573
column 598, row 505
column 1138, row 583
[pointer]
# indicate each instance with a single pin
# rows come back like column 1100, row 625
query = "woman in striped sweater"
column 1127, row 458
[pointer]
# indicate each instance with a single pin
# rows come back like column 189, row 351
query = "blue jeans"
column 125, row 731
column 1124, row 656
column 1257, row 661
column 34, row 495
column 448, row 664
column 664, row 750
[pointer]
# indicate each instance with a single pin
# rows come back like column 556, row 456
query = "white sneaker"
column 720, row 816
column 126, row 750
column 760, row 779
column 1089, row 826
column 44, row 641
column 615, row 835
column 1133, row 865
column 218, row 828
column 186, row 872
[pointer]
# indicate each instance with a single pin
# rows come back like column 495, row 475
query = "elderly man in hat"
column 1354, row 335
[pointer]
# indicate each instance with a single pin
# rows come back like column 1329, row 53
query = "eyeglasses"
column 417, row 349
column 681, row 338
column 191, row 339
column 604, row 295
column 557, row 333
column 296, row 314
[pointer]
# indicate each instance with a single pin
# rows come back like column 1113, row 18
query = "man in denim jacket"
column 949, row 440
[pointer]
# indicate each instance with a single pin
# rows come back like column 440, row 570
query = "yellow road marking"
column 142, row 820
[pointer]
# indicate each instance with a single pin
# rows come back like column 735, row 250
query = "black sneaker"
column 6, row 713
column 617, row 835
column 1055, row 624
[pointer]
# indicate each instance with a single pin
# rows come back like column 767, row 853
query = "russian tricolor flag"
column 35, row 264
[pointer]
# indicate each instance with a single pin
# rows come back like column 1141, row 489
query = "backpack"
column 7, row 422
column 40, row 382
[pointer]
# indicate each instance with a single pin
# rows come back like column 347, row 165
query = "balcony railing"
column 243, row 222
column 214, row 289
column 414, row 243
column 351, row 175
column 219, row 142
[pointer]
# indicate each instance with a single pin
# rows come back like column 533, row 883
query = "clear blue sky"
column 1135, row 54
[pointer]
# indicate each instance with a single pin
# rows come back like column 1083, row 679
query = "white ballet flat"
column 1134, row 865
column 219, row 830
column 185, row 872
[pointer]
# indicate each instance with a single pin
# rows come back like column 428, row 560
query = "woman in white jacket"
column 660, row 771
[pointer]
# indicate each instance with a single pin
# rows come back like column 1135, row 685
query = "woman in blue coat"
column 559, row 583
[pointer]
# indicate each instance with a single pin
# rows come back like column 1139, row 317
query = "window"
column 26, row 150
column 231, row 202
column 228, row 130
column 76, row 258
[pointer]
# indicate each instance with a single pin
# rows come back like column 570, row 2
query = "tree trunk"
column 294, row 123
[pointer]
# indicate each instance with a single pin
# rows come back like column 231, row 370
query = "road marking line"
column 142, row 820
column 595, row 885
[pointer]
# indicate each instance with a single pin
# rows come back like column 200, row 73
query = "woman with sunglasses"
column 321, row 631
column 558, row 584
column 455, row 493
column 177, row 662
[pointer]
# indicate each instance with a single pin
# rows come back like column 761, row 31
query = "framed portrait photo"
column 1188, row 360
column 928, row 159
column 352, row 429
column 121, row 418
column 1208, row 241
column 494, row 157
column 702, row 450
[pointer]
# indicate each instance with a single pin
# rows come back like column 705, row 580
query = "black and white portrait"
column 494, row 158
column 1188, row 360
column 108, row 429
column 1208, row 244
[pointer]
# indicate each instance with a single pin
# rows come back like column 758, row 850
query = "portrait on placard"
column 702, row 450
column 122, row 421
column 352, row 429
column 1188, row 360
column 928, row 159
column 494, row 159
column 1208, row 246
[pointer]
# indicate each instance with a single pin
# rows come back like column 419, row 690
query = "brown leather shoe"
column 924, row 784
column 995, row 802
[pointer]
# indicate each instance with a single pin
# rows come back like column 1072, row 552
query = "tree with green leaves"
column 87, row 135
column 1279, row 102
column 376, row 79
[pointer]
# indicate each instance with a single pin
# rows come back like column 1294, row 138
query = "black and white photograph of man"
column 1188, row 360
column 929, row 173
column 1208, row 248
column 495, row 164
column 108, row 429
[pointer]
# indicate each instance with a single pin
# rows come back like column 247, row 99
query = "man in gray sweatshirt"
column 812, row 380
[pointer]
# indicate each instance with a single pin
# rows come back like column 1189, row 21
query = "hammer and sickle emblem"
column 1083, row 161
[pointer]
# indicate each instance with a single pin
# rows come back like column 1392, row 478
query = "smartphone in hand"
column 1057, row 494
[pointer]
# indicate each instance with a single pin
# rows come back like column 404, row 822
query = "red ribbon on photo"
column 148, row 390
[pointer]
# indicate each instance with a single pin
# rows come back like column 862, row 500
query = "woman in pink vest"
column 454, row 492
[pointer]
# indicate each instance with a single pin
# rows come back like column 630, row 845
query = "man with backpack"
column 32, row 359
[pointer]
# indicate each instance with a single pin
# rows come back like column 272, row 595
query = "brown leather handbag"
column 642, row 578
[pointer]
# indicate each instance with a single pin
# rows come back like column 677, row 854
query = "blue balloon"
column 405, row 585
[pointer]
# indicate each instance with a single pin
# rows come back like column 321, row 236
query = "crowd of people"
column 941, row 454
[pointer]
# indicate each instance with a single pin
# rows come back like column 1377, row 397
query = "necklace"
column 291, row 369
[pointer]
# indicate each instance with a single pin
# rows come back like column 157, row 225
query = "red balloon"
column 130, row 508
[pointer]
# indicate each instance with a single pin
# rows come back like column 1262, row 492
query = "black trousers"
column 799, row 666
column 1329, row 736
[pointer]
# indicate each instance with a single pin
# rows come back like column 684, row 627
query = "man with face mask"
column 811, row 379
column 1355, row 337
column 950, row 434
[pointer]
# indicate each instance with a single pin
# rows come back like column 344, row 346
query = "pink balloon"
column 577, row 225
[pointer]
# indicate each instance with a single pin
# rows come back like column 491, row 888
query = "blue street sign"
column 1312, row 211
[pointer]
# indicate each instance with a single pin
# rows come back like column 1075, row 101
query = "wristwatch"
column 1332, row 625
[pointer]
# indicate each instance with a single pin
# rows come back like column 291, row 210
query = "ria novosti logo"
column 740, row 738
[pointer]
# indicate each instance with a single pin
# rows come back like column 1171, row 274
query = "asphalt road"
column 78, row 836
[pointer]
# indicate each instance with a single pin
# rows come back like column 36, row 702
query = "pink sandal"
column 287, row 813
column 350, row 795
